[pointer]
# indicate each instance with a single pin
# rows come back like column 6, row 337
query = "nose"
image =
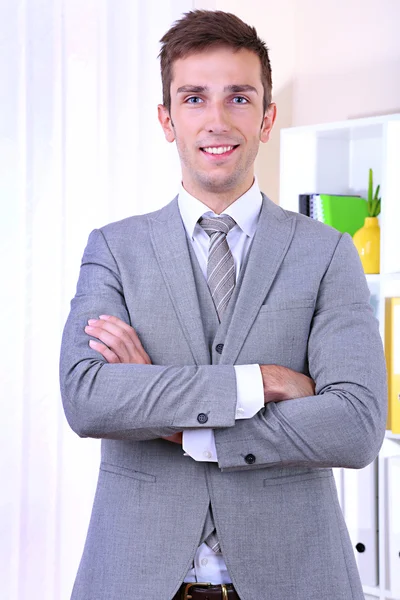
column 217, row 119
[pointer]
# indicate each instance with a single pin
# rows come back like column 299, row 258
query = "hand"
column 176, row 438
column 119, row 342
column 281, row 383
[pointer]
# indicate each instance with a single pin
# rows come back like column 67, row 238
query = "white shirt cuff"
column 200, row 444
column 250, row 391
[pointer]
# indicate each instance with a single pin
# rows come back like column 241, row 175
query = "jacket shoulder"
column 137, row 224
column 305, row 227
column 312, row 226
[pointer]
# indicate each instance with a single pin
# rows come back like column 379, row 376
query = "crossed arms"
column 342, row 424
column 118, row 343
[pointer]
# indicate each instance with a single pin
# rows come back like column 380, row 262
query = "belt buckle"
column 186, row 595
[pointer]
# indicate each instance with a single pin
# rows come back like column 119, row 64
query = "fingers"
column 120, row 342
column 108, row 354
column 176, row 438
column 114, row 321
column 281, row 383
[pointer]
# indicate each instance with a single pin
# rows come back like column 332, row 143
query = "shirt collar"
column 245, row 210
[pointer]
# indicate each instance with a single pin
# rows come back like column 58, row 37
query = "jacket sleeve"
column 343, row 425
column 128, row 401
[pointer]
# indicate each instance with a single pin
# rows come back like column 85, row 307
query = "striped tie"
column 220, row 266
column 221, row 282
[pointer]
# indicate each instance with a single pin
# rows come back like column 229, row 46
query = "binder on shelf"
column 392, row 353
column 344, row 213
column 360, row 510
column 304, row 204
column 393, row 491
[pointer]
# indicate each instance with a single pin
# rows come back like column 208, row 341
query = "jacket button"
column 202, row 418
column 250, row 459
column 219, row 348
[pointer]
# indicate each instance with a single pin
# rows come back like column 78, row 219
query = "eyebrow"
column 201, row 89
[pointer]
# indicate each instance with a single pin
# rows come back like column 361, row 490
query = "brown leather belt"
column 206, row 591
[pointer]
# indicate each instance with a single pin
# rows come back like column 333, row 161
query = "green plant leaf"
column 373, row 201
column 370, row 186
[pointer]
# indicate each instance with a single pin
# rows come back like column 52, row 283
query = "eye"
column 240, row 100
column 193, row 100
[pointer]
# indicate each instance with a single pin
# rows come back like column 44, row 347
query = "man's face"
column 217, row 119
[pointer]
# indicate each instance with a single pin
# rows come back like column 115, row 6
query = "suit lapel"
column 271, row 241
column 170, row 244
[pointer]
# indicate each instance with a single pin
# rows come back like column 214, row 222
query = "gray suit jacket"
column 303, row 303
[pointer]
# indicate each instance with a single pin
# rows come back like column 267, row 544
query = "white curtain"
column 79, row 146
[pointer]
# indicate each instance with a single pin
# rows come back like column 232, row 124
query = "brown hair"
column 199, row 30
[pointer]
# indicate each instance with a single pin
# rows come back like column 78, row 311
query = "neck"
column 218, row 202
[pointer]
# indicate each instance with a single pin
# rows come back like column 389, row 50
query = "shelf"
column 372, row 591
column 335, row 158
column 389, row 596
column 376, row 592
column 351, row 128
column 392, row 436
column 375, row 278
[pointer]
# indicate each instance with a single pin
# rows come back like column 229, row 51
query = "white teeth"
column 219, row 150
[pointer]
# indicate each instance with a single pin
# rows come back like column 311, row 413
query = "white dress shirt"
column 199, row 444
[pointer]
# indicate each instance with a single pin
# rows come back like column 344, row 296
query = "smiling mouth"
column 218, row 150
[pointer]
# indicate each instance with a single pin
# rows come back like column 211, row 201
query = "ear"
column 268, row 122
column 166, row 123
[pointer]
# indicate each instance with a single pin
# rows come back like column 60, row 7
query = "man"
column 225, row 351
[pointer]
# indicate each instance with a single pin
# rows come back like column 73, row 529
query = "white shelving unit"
column 334, row 158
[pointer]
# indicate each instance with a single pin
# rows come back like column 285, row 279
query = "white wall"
column 347, row 62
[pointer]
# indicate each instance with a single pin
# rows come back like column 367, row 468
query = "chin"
column 218, row 184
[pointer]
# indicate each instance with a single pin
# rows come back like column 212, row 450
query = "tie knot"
column 213, row 225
